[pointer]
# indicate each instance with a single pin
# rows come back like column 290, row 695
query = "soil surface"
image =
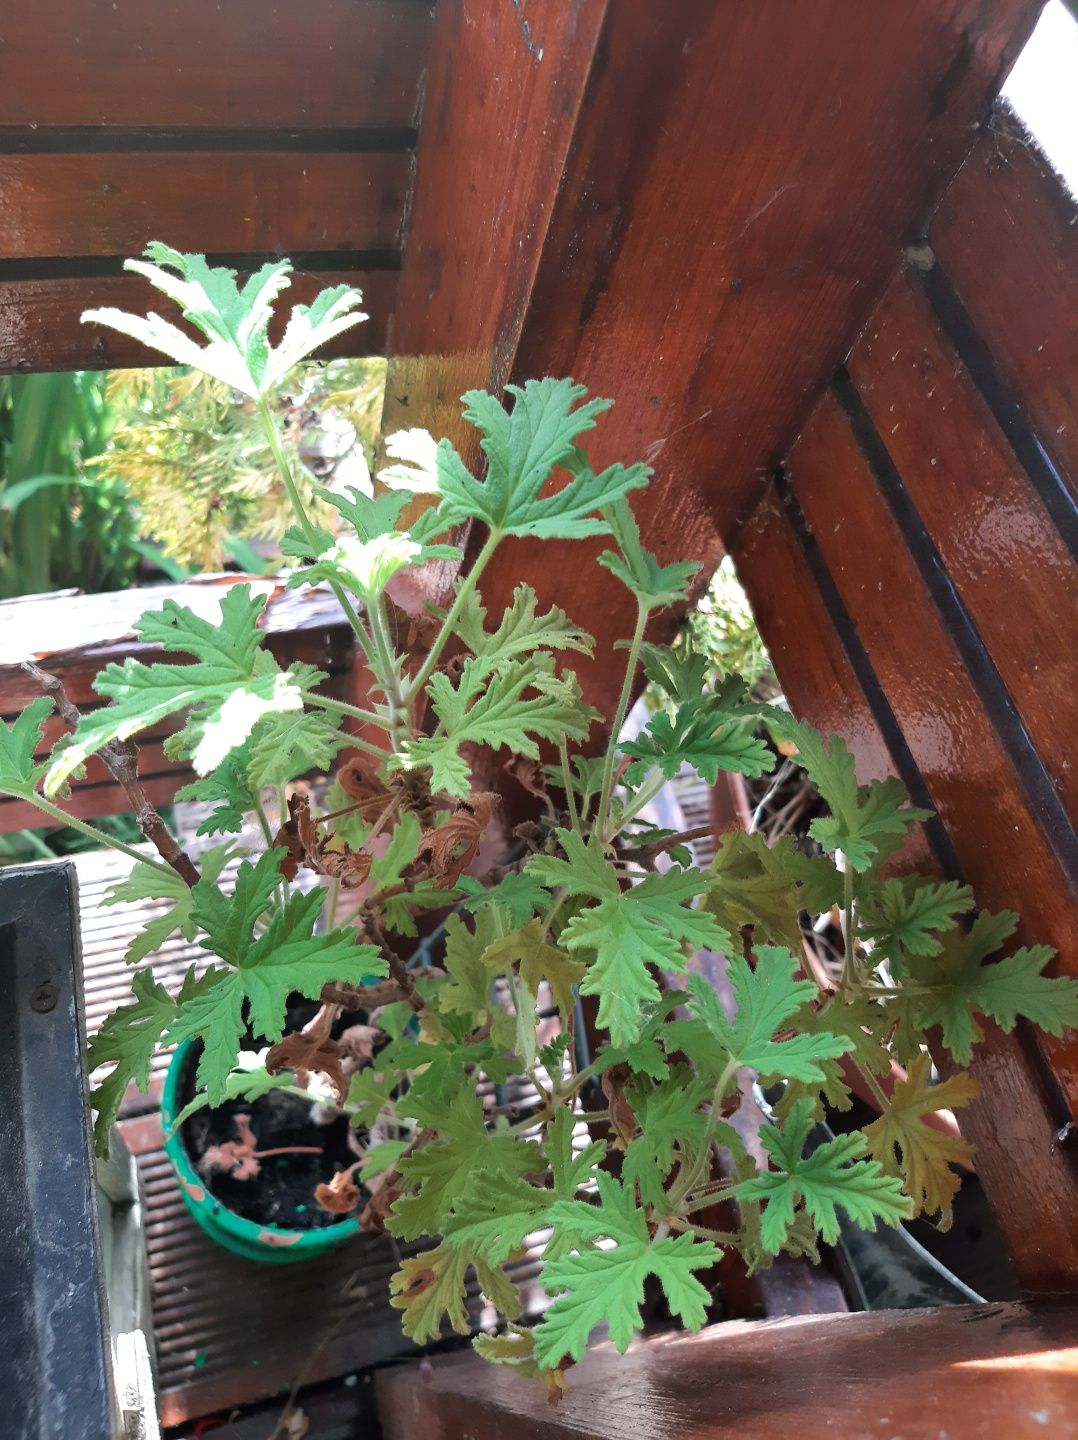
column 282, row 1193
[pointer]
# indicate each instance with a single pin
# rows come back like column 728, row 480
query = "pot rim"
column 207, row 1208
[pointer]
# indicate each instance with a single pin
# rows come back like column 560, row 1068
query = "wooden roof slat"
column 1006, row 236
column 40, row 327
column 964, row 1372
column 112, row 204
column 241, row 63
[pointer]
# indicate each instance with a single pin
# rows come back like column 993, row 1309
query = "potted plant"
column 613, row 1157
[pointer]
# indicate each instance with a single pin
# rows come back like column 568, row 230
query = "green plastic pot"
column 270, row 1244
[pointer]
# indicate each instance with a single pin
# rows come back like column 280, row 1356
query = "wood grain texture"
column 817, row 677
column 208, row 63
column 40, row 328
column 803, row 640
column 969, row 774
column 502, row 99
column 1002, row 851
column 1007, row 237
column 985, row 519
column 967, row 1373
column 238, row 203
column 720, row 236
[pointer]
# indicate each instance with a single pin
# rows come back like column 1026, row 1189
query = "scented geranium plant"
column 615, row 1156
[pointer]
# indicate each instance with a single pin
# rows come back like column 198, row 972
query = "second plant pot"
column 264, row 1240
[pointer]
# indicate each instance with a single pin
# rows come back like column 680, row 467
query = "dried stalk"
column 121, row 759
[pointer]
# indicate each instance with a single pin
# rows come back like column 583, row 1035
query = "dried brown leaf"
column 341, row 1195
column 451, row 847
column 622, row 1114
column 304, row 1051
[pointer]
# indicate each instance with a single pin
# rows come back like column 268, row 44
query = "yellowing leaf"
column 539, row 961
column 920, row 1154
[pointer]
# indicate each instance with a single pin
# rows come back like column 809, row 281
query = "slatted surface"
column 74, row 637
column 910, row 574
column 230, row 1332
column 242, row 129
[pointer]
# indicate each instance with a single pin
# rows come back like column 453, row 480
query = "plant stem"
column 285, row 472
column 642, row 613
column 848, row 960
column 570, row 796
column 107, row 842
column 341, row 707
column 683, row 1185
column 390, row 677
column 263, row 823
column 464, row 589
column 720, row 1237
column 643, row 797
column 702, row 1200
column 874, row 1085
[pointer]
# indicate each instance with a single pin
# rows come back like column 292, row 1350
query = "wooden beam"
column 503, row 95
column 970, row 1371
column 40, row 328
column 739, row 182
column 244, row 203
column 309, row 63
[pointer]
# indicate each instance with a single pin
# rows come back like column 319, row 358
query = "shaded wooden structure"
column 830, row 284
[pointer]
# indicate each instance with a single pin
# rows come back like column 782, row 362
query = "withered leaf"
column 341, row 1195
column 304, row 1051
column 451, row 847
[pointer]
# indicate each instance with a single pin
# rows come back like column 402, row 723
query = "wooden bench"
column 74, row 636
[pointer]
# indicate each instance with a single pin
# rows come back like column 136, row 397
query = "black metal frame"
column 55, row 1355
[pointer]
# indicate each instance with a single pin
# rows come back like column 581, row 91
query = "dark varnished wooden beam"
column 502, row 100
column 970, row 1371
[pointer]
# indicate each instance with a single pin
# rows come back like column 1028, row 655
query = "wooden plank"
column 813, row 667
column 204, row 63
column 1007, row 238
column 740, row 180
column 75, row 636
column 808, row 653
column 970, row 1371
column 40, row 327
column 1006, row 558
column 502, row 84
column 969, row 775
column 232, row 203
column 973, row 786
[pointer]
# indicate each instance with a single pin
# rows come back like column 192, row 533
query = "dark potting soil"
column 282, row 1193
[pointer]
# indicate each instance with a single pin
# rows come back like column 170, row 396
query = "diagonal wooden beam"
column 692, row 208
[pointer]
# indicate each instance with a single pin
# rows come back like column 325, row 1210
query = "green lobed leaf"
column 830, row 1176
column 867, row 822
column 521, row 703
column 18, row 770
column 905, row 915
column 462, row 1159
column 234, row 320
column 232, row 685
column 129, row 1038
column 766, row 887
column 264, row 969
column 521, row 630
column 628, row 931
column 766, row 998
column 653, row 584
column 961, row 982
column 150, row 882
column 522, row 448
column 608, row 1284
